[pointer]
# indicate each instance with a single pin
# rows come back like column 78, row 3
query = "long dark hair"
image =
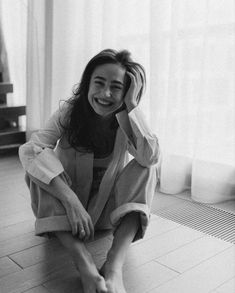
column 80, row 126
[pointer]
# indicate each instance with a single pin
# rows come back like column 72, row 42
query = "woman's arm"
column 77, row 215
column 142, row 143
column 44, row 168
column 37, row 155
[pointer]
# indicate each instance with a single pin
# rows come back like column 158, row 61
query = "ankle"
column 111, row 268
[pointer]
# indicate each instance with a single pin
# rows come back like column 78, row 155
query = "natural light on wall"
column 188, row 50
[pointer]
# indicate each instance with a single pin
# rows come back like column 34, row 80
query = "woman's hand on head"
column 80, row 220
column 132, row 95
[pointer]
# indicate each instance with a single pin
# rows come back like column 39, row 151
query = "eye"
column 97, row 82
column 116, row 88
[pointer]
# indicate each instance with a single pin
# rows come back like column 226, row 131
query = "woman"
column 78, row 172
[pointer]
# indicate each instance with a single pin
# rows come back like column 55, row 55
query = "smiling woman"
column 78, row 169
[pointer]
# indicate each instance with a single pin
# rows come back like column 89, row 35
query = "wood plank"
column 147, row 277
column 17, row 217
column 8, row 181
column 205, row 277
column 10, row 160
column 158, row 226
column 7, row 266
column 9, row 196
column 192, row 254
column 10, row 166
column 52, row 250
column 68, row 283
column 136, row 281
column 49, row 251
column 19, row 243
column 142, row 271
column 10, row 189
column 7, row 193
column 145, row 251
column 14, row 208
column 227, row 287
column 35, row 275
column 18, row 229
column 15, row 172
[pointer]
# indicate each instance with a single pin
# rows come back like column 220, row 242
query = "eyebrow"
column 113, row 81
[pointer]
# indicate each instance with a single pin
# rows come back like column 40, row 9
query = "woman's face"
column 106, row 89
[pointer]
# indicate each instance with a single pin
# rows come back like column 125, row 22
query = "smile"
column 103, row 102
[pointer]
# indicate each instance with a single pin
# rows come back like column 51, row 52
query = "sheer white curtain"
column 187, row 48
column 64, row 35
column 192, row 91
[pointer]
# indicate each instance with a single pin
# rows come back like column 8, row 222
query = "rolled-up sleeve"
column 37, row 155
column 142, row 143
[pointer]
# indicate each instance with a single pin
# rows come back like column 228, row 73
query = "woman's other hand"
column 79, row 219
column 132, row 96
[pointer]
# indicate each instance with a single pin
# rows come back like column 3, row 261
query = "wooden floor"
column 171, row 258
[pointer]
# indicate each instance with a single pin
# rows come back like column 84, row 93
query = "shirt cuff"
column 134, row 123
column 45, row 166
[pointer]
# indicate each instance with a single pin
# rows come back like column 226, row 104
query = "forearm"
column 130, row 106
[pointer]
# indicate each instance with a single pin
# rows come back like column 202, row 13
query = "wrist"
column 71, row 199
column 130, row 106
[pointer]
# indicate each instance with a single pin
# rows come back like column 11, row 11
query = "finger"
column 92, row 230
column 138, row 80
column 87, row 231
column 73, row 227
column 74, row 230
column 138, row 77
column 131, row 75
column 133, row 81
column 81, row 231
column 82, row 234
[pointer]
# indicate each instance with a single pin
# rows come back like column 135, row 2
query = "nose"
column 107, row 92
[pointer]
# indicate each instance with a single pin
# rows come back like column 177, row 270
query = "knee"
column 146, row 172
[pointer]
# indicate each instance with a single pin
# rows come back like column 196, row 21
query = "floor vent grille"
column 203, row 218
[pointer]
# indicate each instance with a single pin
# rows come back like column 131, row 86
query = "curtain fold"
column 188, row 50
column 192, row 55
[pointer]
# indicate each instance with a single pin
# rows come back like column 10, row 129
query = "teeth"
column 102, row 102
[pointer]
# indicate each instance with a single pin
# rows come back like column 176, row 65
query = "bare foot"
column 113, row 278
column 92, row 281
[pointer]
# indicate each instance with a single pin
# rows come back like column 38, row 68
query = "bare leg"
column 123, row 237
column 91, row 280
